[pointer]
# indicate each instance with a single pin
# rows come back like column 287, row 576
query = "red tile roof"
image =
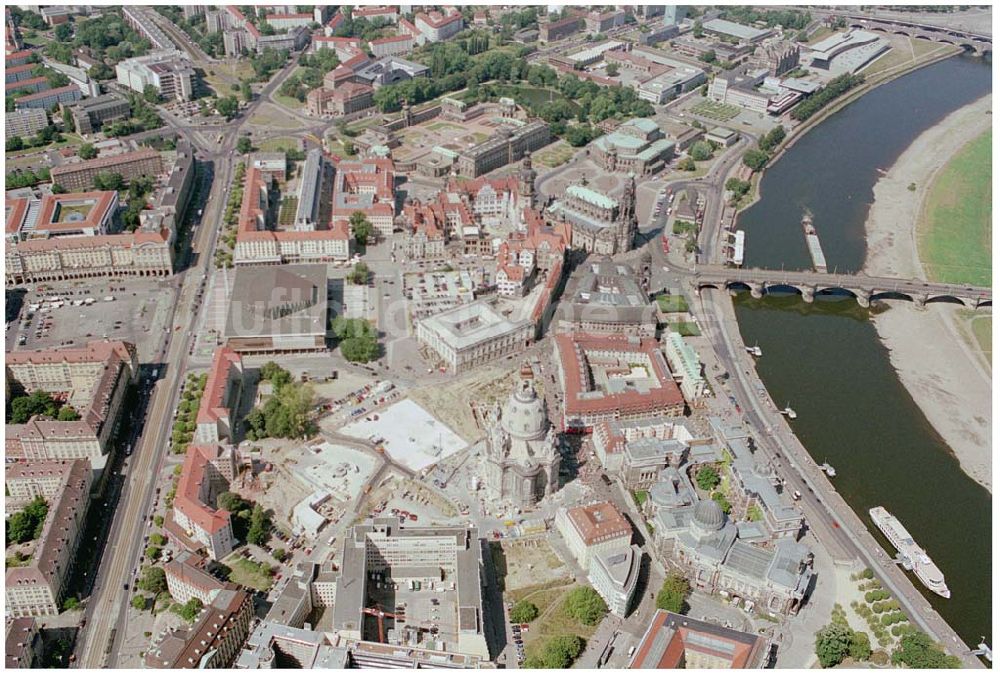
column 103, row 201
column 213, row 398
column 188, row 498
column 599, row 522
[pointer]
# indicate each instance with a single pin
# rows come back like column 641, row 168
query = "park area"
column 953, row 234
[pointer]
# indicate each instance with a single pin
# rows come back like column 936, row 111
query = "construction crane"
column 380, row 615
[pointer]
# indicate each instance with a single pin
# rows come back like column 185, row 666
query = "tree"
column 139, row 602
column 359, row 274
column 230, row 501
column 708, row 57
column 771, row 139
column 720, row 499
column 585, row 605
column 673, row 595
column 917, row 650
column 15, row 143
column 109, row 181
column 560, row 651
column 279, row 554
column 861, row 648
column 189, row 610
column 700, row 151
column 361, row 228
column 157, row 539
column 259, row 526
column 87, row 151
column 244, row 145
column 227, row 107
column 26, row 524
column 738, row 187
column 67, row 414
column 523, row 612
column 755, row 159
column 833, row 643
column 71, row 603
column 39, row 402
column 707, row 477
column 686, row 164
column 150, row 94
column 698, row 31
column 612, row 69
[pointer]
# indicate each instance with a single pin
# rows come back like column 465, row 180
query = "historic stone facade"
column 522, row 457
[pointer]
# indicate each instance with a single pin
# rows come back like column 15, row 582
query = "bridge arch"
column 836, row 290
column 781, row 288
column 946, row 298
column 891, row 295
column 984, row 303
column 738, row 286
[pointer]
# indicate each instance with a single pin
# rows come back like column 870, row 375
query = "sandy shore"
column 950, row 382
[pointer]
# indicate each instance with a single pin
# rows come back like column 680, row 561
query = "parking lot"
column 70, row 314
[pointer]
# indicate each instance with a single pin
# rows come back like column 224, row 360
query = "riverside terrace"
column 864, row 288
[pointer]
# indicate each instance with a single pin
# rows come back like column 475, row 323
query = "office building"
column 90, row 114
column 686, row 366
column 167, row 70
column 614, row 574
column 448, row 560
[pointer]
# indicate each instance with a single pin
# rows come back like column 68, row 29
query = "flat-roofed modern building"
column 278, row 308
column 615, row 574
column 685, row 365
column 90, row 114
column 448, row 560
column 26, row 122
column 731, row 29
column 167, row 70
column 678, row 641
column 50, row 97
column 473, row 334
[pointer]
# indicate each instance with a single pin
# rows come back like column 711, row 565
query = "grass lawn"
column 278, row 144
column 953, row 234
column 289, row 102
column 248, row 573
column 271, row 116
column 685, row 328
column 821, row 34
column 553, row 620
column 286, row 214
column 982, row 328
column 716, row 111
column 438, row 126
column 672, row 303
column 220, row 76
column 898, row 56
column 556, row 154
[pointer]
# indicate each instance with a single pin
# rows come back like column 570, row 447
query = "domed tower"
column 521, row 460
column 707, row 519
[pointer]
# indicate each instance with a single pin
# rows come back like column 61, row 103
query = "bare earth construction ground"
column 936, row 356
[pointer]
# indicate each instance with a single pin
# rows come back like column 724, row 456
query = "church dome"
column 708, row 516
column 524, row 416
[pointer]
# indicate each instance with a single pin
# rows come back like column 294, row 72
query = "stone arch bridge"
column 863, row 288
column 979, row 44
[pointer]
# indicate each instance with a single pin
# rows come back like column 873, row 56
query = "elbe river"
column 826, row 360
